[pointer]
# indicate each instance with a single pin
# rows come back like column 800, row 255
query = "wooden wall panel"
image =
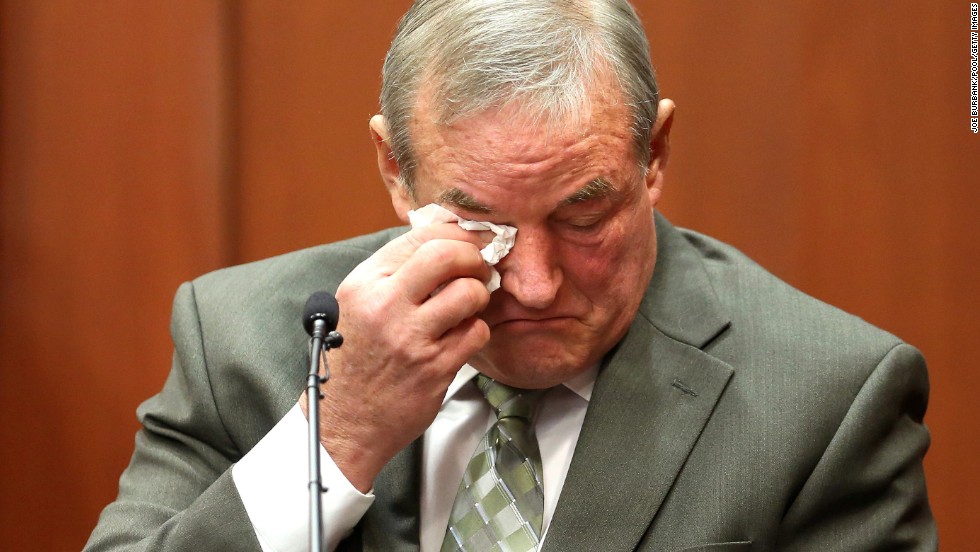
column 734, row 71
column 111, row 194
column 309, row 81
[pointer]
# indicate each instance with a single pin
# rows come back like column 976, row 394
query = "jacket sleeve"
column 177, row 493
column 868, row 490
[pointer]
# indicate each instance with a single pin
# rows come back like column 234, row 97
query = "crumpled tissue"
column 503, row 239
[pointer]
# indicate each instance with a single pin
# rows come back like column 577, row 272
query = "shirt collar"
column 582, row 384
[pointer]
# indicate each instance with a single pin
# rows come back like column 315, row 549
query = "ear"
column 388, row 166
column 659, row 150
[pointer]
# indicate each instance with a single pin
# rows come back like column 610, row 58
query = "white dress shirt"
column 272, row 478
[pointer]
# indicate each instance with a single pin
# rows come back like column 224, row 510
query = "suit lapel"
column 392, row 522
column 652, row 399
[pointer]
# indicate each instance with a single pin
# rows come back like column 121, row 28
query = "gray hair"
column 472, row 55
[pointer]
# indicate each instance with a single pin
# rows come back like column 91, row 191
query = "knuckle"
column 482, row 331
column 468, row 295
column 372, row 310
column 476, row 336
column 419, row 236
column 440, row 252
column 476, row 293
column 477, row 254
column 349, row 289
column 400, row 342
column 422, row 353
column 371, row 306
column 415, row 239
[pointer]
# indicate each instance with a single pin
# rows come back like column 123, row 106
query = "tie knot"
column 508, row 401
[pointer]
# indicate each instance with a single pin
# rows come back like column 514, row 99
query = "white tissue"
column 497, row 249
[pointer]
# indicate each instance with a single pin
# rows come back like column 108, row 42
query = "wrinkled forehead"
column 511, row 142
column 513, row 150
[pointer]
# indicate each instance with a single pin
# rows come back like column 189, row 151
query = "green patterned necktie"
column 500, row 503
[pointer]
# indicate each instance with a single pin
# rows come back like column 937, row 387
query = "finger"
column 393, row 254
column 436, row 263
column 462, row 298
column 464, row 341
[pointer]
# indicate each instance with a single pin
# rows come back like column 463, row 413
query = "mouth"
column 550, row 322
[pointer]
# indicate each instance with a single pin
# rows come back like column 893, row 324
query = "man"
column 689, row 400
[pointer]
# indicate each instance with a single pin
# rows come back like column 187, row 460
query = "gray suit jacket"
column 736, row 414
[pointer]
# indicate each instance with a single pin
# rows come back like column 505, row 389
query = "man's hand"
column 402, row 345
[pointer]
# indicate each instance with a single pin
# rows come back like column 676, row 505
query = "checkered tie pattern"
column 499, row 506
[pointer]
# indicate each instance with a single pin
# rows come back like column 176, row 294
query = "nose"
column 530, row 272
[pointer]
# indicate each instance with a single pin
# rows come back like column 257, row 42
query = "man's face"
column 585, row 246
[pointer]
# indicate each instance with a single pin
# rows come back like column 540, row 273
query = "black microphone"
column 321, row 306
column 320, row 316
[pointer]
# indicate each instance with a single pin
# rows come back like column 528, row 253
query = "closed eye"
column 585, row 222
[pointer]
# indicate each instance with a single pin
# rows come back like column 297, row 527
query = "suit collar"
column 681, row 301
column 652, row 399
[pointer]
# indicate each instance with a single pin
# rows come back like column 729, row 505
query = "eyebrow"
column 596, row 189
column 458, row 198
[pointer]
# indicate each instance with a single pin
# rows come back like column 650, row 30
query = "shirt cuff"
column 273, row 482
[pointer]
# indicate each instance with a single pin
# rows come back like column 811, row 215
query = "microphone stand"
column 322, row 341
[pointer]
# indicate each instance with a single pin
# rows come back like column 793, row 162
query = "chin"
column 531, row 363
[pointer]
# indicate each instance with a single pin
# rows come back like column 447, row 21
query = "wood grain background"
column 144, row 143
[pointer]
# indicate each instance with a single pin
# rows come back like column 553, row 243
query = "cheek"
column 596, row 269
column 613, row 271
